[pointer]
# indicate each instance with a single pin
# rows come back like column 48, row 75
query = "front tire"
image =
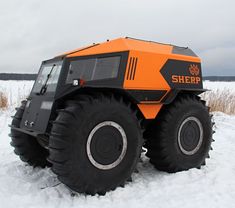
column 180, row 137
column 26, row 146
column 95, row 144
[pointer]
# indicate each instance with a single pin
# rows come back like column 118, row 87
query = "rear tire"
column 95, row 144
column 26, row 146
column 180, row 137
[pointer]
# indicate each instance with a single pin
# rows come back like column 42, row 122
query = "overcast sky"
column 35, row 30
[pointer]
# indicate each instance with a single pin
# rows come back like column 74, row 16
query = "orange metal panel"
column 150, row 111
column 72, row 51
column 145, row 61
column 117, row 45
column 147, row 75
column 184, row 58
column 124, row 44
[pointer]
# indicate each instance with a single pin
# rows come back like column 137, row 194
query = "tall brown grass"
column 220, row 100
column 3, row 101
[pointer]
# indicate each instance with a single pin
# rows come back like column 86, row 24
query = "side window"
column 93, row 69
column 106, row 68
column 81, row 69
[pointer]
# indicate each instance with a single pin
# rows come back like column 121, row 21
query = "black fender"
column 170, row 97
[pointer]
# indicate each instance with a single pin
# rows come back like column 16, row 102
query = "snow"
column 219, row 85
column 211, row 186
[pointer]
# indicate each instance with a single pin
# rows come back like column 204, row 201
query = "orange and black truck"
column 92, row 111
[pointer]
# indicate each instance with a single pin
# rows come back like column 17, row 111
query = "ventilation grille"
column 132, row 68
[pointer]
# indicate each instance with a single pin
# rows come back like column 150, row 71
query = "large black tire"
column 26, row 146
column 74, row 132
column 180, row 137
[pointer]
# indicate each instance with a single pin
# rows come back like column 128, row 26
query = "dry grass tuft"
column 3, row 101
column 220, row 100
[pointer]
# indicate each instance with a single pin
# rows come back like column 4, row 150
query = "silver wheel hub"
column 122, row 148
column 190, row 135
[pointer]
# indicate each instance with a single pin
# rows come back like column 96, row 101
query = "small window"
column 93, row 69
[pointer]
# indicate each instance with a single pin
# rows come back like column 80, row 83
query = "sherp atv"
column 92, row 110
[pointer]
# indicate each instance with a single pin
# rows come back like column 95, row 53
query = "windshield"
column 48, row 77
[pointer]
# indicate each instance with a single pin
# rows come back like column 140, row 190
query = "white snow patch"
column 219, row 86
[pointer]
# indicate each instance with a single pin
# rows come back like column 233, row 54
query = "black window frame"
column 116, row 82
column 49, row 62
column 92, row 72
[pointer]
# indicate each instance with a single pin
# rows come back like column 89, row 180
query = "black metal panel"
column 35, row 114
column 146, row 95
column 39, row 117
column 64, row 88
column 181, row 70
column 170, row 97
column 54, row 60
column 183, row 51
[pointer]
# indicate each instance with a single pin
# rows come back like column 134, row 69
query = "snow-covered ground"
column 213, row 185
column 219, row 85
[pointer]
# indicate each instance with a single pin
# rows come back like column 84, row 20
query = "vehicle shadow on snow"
column 40, row 180
column 42, row 177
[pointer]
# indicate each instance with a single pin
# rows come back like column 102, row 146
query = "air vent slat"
column 129, row 69
column 132, row 68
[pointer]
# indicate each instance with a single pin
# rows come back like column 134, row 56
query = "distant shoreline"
column 16, row 76
column 220, row 78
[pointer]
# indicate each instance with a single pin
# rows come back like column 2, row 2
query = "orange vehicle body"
column 146, row 59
